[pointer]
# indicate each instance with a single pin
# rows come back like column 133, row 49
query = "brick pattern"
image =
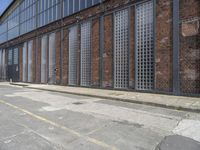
column 108, row 52
column 163, row 50
column 38, row 62
column 95, row 53
column 34, row 61
column 190, row 50
column 65, row 57
column 20, row 63
column 58, row 57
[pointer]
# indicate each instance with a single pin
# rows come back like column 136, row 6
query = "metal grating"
column 86, row 54
column 10, row 61
column 16, row 56
column 144, row 46
column 30, row 53
column 73, row 45
column 52, row 58
column 44, row 60
column 24, row 62
column 121, row 46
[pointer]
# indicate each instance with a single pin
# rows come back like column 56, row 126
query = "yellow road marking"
column 89, row 139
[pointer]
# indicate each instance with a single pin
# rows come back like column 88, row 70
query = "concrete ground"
column 32, row 119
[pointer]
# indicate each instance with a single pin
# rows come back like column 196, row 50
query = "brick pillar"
column 163, row 51
column 132, row 48
column 58, row 57
column 38, row 64
column 20, row 63
column 65, row 57
column 34, row 61
column 108, row 52
column 95, row 53
column 189, row 47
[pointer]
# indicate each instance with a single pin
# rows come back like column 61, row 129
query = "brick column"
column 65, row 57
column 38, row 64
column 20, row 63
column 58, row 57
column 163, row 51
column 108, row 52
column 95, row 53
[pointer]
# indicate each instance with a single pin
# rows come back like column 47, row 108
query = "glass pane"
column 82, row 4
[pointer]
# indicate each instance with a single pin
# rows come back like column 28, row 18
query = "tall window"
column 86, row 54
column 144, row 46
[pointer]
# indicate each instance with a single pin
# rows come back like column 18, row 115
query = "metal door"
column 30, row 61
column 86, row 54
column 121, row 49
column 73, row 44
column 52, row 59
column 44, row 60
column 144, row 46
column 24, row 62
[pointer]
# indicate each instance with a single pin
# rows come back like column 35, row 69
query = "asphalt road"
column 41, row 120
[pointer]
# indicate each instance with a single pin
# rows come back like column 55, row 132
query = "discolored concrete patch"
column 176, row 142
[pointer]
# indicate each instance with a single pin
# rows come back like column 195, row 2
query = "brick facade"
column 102, row 49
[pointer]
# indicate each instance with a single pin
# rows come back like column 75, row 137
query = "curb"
column 118, row 99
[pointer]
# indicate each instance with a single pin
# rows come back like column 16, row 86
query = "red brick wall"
column 108, row 52
column 65, row 57
column 34, row 61
column 58, row 57
column 20, row 63
column 190, row 48
column 95, row 53
column 163, row 46
column 38, row 65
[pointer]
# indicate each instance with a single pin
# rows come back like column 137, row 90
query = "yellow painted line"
column 89, row 139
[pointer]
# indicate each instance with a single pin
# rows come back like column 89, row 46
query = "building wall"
column 102, row 29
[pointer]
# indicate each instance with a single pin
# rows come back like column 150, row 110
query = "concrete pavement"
column 43, row 120
column 166, row 101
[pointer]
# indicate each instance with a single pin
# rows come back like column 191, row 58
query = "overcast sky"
column 4, row 4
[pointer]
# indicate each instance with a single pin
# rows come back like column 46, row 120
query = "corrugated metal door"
column 144, row 46
column 73, row 37
column 1, row 64
column 121, row 49
column 30, row 61
column 44, row 60
column 52, row 59
column 24, row 62
column 86, row 54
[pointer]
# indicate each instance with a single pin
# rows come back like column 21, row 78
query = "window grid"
column 52, row 58
column 73, row 45
column 44, row 59
column 24, row 62
column 145, row 46
column 121, row 46
column 30, row 53
column 86, row 54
